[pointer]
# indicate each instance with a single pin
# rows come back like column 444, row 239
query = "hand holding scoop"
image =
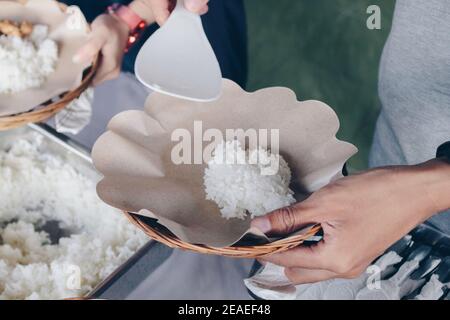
column 179, row 61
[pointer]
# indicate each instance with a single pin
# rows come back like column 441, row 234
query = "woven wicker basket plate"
column 164, row 236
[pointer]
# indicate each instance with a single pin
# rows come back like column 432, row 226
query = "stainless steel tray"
column 129, row 275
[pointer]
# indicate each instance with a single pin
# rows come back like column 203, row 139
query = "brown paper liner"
column 139, row 176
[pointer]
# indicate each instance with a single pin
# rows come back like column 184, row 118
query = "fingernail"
column 193, row 5
column 262, row 224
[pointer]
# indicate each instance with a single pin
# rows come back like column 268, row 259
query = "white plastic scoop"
column 178, row 59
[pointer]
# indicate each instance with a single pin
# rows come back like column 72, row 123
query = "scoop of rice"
column 26, row 62
column 237, row 181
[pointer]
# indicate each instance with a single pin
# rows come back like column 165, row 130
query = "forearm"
column 143, row 9
column 435, row 179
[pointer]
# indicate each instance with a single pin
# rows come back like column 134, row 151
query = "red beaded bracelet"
column 136, row 24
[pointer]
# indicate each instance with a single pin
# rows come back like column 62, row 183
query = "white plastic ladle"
column 178, row 59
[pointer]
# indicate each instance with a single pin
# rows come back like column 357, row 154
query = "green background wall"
column 322, row 50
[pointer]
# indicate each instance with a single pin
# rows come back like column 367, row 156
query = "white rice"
column 36, row 188
column 26, row 63
column 235, row 181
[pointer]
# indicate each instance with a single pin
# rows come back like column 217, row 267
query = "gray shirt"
column 414, row 88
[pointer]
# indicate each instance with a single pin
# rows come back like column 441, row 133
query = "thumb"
column 284, row 221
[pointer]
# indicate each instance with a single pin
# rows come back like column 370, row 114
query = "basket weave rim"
column 255, row 251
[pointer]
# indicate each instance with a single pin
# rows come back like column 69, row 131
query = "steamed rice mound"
column 240, row 181
column 26, row 62
column 36, row 188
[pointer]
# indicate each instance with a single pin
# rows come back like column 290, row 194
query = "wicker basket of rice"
column 38, row 39
column 205, row 204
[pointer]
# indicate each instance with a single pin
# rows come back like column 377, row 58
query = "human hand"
column 361, row 216
column 109, row 34
column 108, row 37
column 161, row 8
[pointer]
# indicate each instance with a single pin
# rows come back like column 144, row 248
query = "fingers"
column 105, row 73
column 285, row 220
column 160, row 10
column 203, row 10
column 108, row 39
column 321, row 257
column 110, row 66
column 312, row 257
column 88, row 52
column 304, row 276
column 197, row 6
